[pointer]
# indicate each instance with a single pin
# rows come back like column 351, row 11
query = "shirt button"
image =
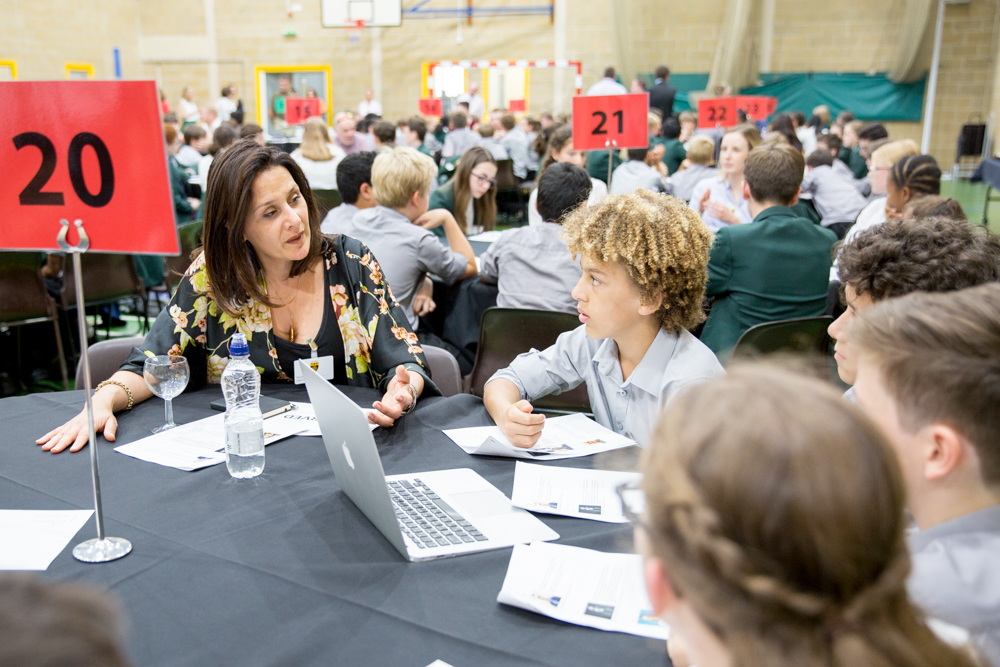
column 620, row 426
column 622, row 392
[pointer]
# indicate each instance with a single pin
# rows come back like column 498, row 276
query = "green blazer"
column 444, row 197
column 597, row 164
column 182, row 207
column 674, row 153
column 775, row 268
column 857, row 163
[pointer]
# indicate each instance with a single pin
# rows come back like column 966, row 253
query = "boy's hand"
column 521, row 427
column 434, row 218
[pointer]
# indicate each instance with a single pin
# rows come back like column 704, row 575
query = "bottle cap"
column 238, row 346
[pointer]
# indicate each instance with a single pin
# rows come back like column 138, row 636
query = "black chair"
column 327, row 200
column 106, row 357
column 189, row 234
column 505, row 333
column 23, row 299
column 804, row 335
column 509, row 188
column 107, row 279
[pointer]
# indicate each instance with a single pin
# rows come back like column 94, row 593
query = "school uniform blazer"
column 775, row 268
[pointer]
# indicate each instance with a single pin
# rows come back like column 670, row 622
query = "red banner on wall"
column 604, row 121
column 84, row 150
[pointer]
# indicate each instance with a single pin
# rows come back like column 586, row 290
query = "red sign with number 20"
column 610, row 121
column 84, row 150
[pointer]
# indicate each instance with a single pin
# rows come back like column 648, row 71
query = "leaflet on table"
column 583, row 494
column 562, row 438
column 32, row 539
column 582, row 587
column 199, row 444
column 305, row 415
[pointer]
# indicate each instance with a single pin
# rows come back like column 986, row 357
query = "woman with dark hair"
column 782, row 124
column 267, row 272
column 471, row 194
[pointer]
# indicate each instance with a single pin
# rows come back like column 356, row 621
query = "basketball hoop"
column 354, row 29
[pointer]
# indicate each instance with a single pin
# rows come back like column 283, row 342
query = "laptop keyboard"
column 426, row 519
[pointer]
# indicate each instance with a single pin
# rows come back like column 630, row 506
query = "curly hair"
column 923, row 255
column 777, row 509
column 662, row 244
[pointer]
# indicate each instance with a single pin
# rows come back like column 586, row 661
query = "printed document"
column 583, row 494
column 304, row 415
column 201, row 443
column 582, row 587
column 32, row 539
column 562, row 438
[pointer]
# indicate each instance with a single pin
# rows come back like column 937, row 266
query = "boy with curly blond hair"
column 644, row 259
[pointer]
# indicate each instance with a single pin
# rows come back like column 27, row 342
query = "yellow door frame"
column 12, row 64
column 80, row 67
column 282, row 69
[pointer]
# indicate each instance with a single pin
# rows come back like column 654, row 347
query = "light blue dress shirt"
column 721, row 194
column 630, row 407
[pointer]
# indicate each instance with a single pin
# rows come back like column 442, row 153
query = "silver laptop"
column 424, row 515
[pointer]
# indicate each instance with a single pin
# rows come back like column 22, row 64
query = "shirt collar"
column 383, row 214
column 773, row 212
column 983, row 521
column 648, row 375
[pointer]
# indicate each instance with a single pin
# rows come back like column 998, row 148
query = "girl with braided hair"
column 912, row 177
column 774, row 530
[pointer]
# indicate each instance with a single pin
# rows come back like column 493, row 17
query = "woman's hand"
column 401, row 392
column 703, row 202
column 75, row 433
column 723, row 212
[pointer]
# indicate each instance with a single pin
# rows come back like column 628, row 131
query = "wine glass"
column 166, row 375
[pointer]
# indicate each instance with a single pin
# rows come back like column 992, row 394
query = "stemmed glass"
column 166, row 375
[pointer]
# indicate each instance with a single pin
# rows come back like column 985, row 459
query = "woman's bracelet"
column 123, row 386
column 413, row 404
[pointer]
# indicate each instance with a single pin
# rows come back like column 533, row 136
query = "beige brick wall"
column 850, row 35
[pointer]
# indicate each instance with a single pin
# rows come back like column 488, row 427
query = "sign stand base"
column 102, row 549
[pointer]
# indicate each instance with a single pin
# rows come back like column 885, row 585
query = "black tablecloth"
column 284, row 569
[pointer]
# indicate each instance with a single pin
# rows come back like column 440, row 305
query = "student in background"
column 515, row 141
column 929, row 376
column 774, row 532
column 597, row 164
column 912, row 177
column 318, row 157
column 882, row 161
column 689, row 123
column 195, row 146
column 775, row 269
column 43, row 624
column 254, row 132
column 490, row 142
column 531, row 265
column 836, row 199
column 806, row 133
column 903, row 256
column 699, row 155
column 673, row 149
column 608, row 85
column 720, row 199
column 184, row 207
column 227, row 102
column 222, row 138
column 934, row 206
column 643, row 257
column 459, row 138
column 869, row 133
column 415, row 134
column 834, row 144
column 384, row 134
column 851, row 152
column 560, row 150
column 471, row 194
column 354, row 182
column 634, row 174
column 783, row 125
column 397, row 229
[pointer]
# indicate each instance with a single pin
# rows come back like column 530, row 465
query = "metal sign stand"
column 102, row 549
column 612, row 146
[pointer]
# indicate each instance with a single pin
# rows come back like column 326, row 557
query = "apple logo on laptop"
column 347, row 454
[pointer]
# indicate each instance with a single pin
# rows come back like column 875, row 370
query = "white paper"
column 32, row 539
column 199, row 444
column 439, row 663
column 487, row 237
column 303, row 413
column 582, row 494
column 562, row 438
column 582, row 587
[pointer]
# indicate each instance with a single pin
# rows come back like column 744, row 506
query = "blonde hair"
column 894, row 151
column 823, row 112
column 855, row 125
column 749, row 132
column 687, row 117
column 701, row 149
column 776, row 509
column 399, row 172
column 653, row 122
column 315, row 141
column 662, row 244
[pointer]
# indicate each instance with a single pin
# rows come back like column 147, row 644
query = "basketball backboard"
column 340, row 13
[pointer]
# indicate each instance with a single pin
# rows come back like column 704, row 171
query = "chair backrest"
column 106, row 357
column 505, row 333
column 444, row 370
column 326, row 200
column 106, row 278
column 804, row 335
column 506, row 180
column 23, row 298
column 190, row 236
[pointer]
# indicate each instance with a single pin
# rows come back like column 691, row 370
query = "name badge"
column 322, row 365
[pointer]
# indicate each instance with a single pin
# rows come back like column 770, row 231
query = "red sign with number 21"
column 602, row 119
column 84, row 150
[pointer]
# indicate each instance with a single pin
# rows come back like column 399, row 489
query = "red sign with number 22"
column 602, row 119
column 84, row 150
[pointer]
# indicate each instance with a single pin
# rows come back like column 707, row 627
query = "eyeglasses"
column 483, row 179
column 633, row 502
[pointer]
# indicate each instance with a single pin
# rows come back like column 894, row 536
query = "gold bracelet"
column 123, row 386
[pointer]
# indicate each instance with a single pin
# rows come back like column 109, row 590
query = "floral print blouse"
column 372, row 324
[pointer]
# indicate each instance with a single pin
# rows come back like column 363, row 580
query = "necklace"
column 288, row 304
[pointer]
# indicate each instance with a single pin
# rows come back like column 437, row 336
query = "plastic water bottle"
column 243, row 421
